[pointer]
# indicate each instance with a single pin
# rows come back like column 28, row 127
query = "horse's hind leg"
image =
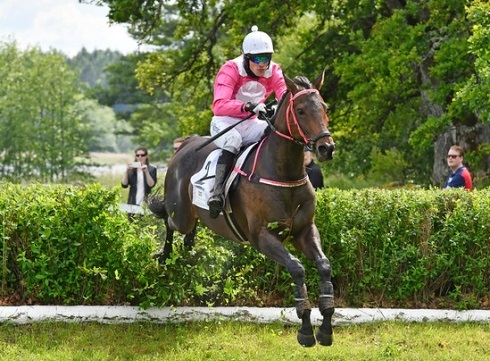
column 167, row 249
column 165, row 252
column 189, row 238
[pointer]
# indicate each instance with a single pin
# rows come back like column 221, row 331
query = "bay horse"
column 272, row 189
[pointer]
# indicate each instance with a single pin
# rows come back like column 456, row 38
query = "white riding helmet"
column 257, row 42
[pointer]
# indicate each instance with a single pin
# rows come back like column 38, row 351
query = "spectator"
column 460, row 176
column 313, row 170
column 178, row 142
column 141, row 177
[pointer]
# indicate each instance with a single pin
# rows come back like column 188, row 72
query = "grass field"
column 233, row 341
column 104, row 158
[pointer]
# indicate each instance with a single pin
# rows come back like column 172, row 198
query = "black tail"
column 156, row 204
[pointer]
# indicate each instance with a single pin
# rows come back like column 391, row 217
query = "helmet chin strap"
column 246, row 65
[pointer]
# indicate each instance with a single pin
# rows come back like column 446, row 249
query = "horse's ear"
column 319, row 81
column 291, row 85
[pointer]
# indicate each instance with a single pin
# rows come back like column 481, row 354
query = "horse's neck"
column 282, row 159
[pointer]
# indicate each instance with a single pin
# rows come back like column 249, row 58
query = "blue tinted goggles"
column 261, row 58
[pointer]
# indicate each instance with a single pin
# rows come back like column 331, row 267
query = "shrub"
column 402, row 248
column 69, row 245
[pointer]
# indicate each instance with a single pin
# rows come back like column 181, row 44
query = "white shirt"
column 140, row 188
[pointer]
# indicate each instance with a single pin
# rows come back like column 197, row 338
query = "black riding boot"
column 217, row 201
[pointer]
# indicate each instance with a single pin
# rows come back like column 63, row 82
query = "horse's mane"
column 299, row 80
column 303, row 82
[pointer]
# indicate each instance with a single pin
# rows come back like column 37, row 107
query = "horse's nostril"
column 323, row 150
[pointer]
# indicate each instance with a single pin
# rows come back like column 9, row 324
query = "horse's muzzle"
column 325, row 151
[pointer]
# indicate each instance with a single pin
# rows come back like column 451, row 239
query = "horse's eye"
column 301, row 111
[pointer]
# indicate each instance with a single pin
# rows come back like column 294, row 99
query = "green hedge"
column 399, row 248
column 69, row 245
column 408, row 247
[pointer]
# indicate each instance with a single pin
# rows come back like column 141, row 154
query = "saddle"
column 203, row 181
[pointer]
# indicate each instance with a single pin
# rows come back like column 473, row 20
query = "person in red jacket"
column 459, row 177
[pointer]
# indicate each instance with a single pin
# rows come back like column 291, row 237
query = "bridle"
column 310, row 143
column 306, row 142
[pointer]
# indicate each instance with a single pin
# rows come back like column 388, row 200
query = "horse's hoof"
column 306, row 340
column 160, row 256
column 324, row 339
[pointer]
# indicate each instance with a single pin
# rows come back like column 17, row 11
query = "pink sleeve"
column 278, row 83
column 224, row 92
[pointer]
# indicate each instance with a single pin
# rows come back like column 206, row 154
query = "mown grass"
column 232, row 341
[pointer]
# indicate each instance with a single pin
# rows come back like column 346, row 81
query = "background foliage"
column 43, row 130
column 405, row 77
column 412, row 248
column 405, row 80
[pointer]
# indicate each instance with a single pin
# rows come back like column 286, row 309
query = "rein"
column 252, row 178
column 289, row 111
column 306, row 141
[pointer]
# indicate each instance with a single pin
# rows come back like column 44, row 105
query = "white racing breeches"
column 249, row 131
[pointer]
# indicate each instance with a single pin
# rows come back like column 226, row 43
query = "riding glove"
column 256, row 108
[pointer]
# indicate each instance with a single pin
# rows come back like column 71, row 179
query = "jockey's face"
column 258, row 69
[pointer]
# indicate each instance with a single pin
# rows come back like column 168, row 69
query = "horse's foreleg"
column 303, row 310
column 189, row 238
column 310, row 245
column 276, row 251
column 324, row 334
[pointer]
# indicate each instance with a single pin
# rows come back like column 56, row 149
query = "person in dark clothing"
column 313, row 170
column 140, row 177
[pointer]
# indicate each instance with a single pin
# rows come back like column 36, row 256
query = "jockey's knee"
column 231, row 141
column 233, row 150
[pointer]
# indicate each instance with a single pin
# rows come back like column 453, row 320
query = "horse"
column 272, row 188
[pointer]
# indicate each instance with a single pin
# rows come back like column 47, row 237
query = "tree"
column 402, row 76
column 92, row 65
column 103, row 125
column 42, row 130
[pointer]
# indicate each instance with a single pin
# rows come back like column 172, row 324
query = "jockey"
column 240, row 89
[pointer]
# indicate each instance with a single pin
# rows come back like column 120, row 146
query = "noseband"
column 306, row 141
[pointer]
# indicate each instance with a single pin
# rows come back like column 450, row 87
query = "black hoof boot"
column 306, row 340
column 323, row 338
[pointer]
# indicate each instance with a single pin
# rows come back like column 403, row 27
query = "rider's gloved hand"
column 271, row 111
column 255, row 108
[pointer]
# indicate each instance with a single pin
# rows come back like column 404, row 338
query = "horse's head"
column 306, row 116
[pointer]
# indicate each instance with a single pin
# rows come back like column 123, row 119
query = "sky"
column 64, row 25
